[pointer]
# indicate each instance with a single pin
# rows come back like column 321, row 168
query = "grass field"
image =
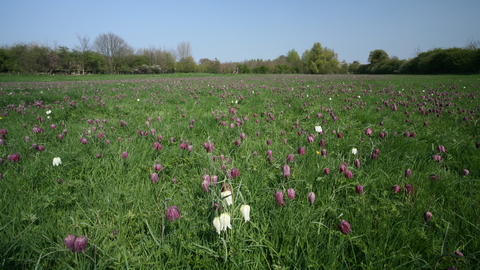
column 418, row 134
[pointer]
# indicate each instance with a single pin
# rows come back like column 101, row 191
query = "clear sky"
column 244, row 30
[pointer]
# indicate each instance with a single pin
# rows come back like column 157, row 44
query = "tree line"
column 110, row 54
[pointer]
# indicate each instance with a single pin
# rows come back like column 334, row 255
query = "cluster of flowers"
column 79, row 244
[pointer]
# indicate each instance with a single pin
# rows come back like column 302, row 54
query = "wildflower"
column 57, row 161
column 234, row 173
column 269, row 153
column 322, row 143
column 124, row 154
column 301, row 150
column 290, row 158
column 339, row 135
column 396, row 188
column 48, row 112
column 427, row 216
column 368, row 131
column 225, row 221
column 434, row 177
column 291, row 193
column 14, row 157
column 441, row 149
column 348, row 174
column 81, row 244
column 359, row 189
column 465, row 172
column 217, row 224
column 408, row 172
column 83, row 141
column 409, row 189
column 311, row 197
column 326, row 171
column 279, row 198
column 357, row 163
column 157, row 146
column 209, row 146
column 157, row 167
column 242, row 136
column 70, row 241
column 344, row 227
column 172, row 213
column 286, row 171
column 354, row 151
column 227, row 197
column 318, row 129
column 323, row 152
column 382, row 135
column 436, row 158
column 205, row 185
column 245, row 209
column 154, row 177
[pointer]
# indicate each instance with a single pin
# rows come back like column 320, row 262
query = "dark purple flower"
column 83, row 141
column 409, row 189
column 279, row 198
column 205, row 185
column 290, row 158
column 322, row 143
column 301, row 150
column 124, row 154
column 209, row 146
column 326, row 171
column 323, row 152
column 70, row 241
column 396, row 188
column 339, row 135
column 291, row 193
column 173, row 213
column 269, row 153
column 465, row 172
column 81, row 244
column 408, row 172
column 286, row 171
column 269, row 142
column 359, row 189
column 348, row 174
column 382, row 135
column 234, row 173
column 344, row 227
column 14, row 157
column 357, row 163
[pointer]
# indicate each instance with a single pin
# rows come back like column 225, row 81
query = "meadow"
column 159, row 172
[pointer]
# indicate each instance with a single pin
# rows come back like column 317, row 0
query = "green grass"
column 115, row 204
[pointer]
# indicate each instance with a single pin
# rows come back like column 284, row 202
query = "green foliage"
column 319, row 60
column 114, row 203
column 377, row 56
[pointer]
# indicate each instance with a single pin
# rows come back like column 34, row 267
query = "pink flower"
column 359, row 189
column 83, row 141
column 326, row 171
column 322, row 143
column 242, row 136
column 290, row 158
column 269, row 153
column 437, row 158
column 368, row 131
column 357, row 163
column 311, row 197
column 70, row 241
column 301, row 150
column 344, row 227
column 441, row 149
column 286, row 171
column 205, row 185
column 465, row 172
column 81, row 244
column 348, row 174
column 409, row 189
column 172, row 213
column 234, row 173
column 291, row 193
column 279, row 198
column 124, row 155
column 408, row 172
column 154, row 177
column 427, row 216
column 157, row 146
column 14, row 157
column 209, row 146
column 396, row 188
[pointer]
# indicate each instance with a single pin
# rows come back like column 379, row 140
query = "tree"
column 82, row 48
column 320, row 60
column 377, row 56
column 184, row 50
column 186, row 65
column 112, row 47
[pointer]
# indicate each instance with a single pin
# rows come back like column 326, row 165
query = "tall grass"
column 112, row 200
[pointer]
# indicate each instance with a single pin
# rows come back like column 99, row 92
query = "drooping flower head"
column 279, row 198
column 81, row 244
column 427, row 216
column 359, row 189
column 56, row 161
column 396, row 188
column 245, row 210
column 344, row 227
column 70, row 241
column 154, row 177
column 286, row 171
column 291, row 193
column 311, row 197
column 172, row 213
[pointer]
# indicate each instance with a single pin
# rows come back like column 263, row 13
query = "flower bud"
column 279, row 198
column 311, row 197
column 408, row 172
column 396, row 188
column 291, row 193
column 286, row 171
column 359, row 189
column 427, row 216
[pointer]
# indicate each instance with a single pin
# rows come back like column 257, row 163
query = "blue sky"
column 243, row 30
